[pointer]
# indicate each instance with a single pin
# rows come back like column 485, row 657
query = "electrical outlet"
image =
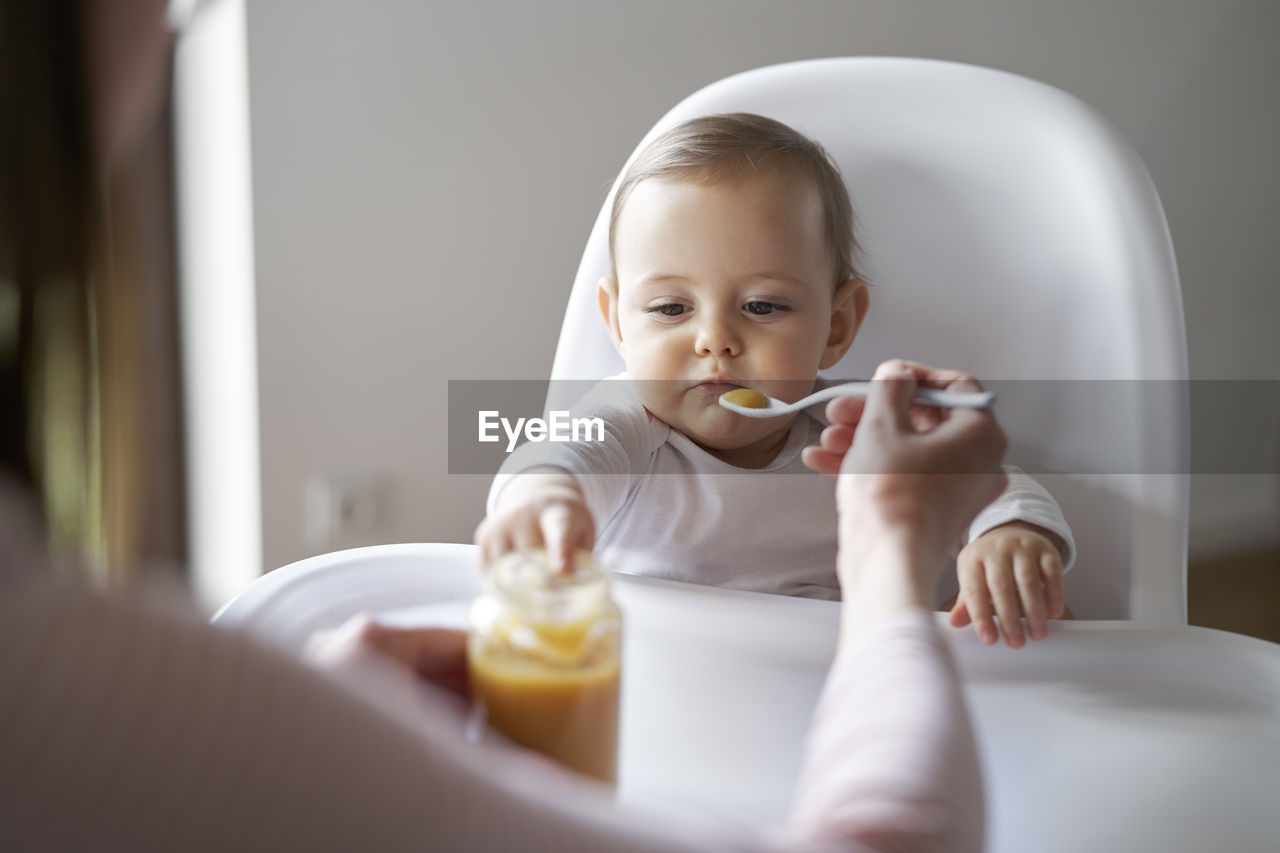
column 339, row 507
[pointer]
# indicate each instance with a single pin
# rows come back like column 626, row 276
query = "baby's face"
column 719, row 287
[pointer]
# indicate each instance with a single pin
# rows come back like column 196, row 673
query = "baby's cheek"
column 656, row 397
column 654, row 358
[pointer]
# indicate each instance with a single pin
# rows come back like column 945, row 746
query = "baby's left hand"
column 1011, row 571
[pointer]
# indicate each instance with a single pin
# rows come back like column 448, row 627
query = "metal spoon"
column 772, row 407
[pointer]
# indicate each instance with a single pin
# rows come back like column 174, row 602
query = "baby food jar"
column 544, row 659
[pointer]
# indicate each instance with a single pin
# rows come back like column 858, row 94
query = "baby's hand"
column 542, row 508
column 1014, row 570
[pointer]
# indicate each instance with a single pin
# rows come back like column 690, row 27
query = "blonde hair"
column 730, row 146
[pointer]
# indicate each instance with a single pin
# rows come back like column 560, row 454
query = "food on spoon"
column 748, row 398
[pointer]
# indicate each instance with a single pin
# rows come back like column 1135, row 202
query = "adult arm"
column 126, row 726
column 891, row 761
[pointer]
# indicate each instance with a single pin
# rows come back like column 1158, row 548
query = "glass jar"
column 544, row 659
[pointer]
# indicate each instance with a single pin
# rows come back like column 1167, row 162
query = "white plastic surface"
column 1107, row 736
column 1009, row 231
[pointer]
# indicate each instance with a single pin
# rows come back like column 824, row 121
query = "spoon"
column 754, row 404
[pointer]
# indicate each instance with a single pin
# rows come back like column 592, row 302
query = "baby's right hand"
column 542, row 508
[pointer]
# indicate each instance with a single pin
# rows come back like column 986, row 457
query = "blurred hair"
column 731, row 146
column 49, row 200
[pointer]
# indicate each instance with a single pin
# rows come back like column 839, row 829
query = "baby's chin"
column 725, row 431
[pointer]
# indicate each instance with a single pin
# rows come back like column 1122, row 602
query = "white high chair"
column 1021, row 200
column 1009, row 231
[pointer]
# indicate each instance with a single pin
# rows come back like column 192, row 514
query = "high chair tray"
column 1106, row 736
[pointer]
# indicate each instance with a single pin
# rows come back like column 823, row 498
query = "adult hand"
column 437, row 656
column 910, row 481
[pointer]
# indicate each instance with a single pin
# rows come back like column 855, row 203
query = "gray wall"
column 426, row 176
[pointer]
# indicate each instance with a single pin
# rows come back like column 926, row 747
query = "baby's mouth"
column 714, row 387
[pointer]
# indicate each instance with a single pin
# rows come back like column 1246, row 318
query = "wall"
column 426, row 176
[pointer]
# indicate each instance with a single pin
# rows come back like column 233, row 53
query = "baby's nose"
column 717, row 337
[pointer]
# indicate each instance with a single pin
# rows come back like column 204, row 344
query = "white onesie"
column 664, row 507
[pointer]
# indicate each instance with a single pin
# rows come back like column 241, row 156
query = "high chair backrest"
column 1007, row 230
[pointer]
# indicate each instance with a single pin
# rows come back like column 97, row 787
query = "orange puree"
column 543, row 655
column 748, row 398
column 569, row 714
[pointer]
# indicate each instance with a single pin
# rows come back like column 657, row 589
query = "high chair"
column 1009, row 231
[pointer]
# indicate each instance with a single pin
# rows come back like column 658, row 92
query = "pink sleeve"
column 890, row 759
column 126, row 727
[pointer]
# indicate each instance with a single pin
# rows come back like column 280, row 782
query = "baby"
column 733, row 266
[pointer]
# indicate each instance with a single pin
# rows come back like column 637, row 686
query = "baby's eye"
column 668, row 309
column 763, row 309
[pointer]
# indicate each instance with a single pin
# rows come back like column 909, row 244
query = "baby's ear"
column 848, row 309
column 607, row 299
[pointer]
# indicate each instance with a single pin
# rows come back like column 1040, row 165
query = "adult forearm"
column 883, row 571
column 890, row 762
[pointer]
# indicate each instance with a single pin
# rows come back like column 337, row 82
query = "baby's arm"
column 1013, row 568
column 539, row 508
column 558, row 494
